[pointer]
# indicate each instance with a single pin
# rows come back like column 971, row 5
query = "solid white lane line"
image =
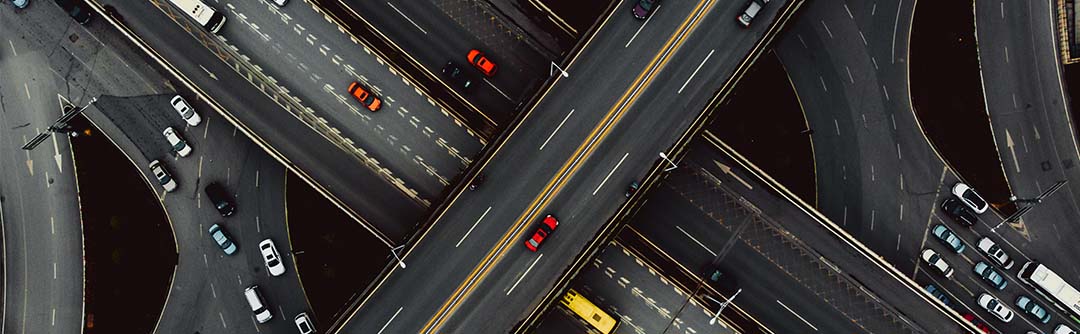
column 695, row 240
column 641, row 27
column 406, row 17
column 796, row 314
column 695, row 71
column 473, row 226
column 601, row 185
column 391, row 319
column 523, row 274
column 556, row 129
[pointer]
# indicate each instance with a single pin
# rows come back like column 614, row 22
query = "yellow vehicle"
column 586, row 310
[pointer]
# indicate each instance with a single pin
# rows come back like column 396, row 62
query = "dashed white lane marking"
column 27, row 88
column 872, row 176
column 873, row 217
column 863, row 38
column 898, row 241
column 801, row 41
column 886, row 91
column 873, row 10
column 873, row 59
column 213, row 292
column 16, row 54
column 850, row 78
column 845, row 215
column 473, row 226
column 893, row 117
column 703, row 61
column 848, row 12
column 556, row 129
column 796, row 314
column 826, row 88
column 1006, row 55
column 826, row 28
column 641, row 27
column 223, row 324
column 391, row 319
column 837, row 124
column 52, row 318
column 1002, row 10
column 527, row 270
column 898, row 156
column 52, row 225
column 613, row 169
column 695, row 240
column 407, row 18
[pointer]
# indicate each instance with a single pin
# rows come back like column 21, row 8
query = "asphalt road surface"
column 693, row 48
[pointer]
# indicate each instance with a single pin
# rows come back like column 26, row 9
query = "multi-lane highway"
column 572, row 157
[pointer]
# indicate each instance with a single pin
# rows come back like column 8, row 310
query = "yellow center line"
column 559, row 181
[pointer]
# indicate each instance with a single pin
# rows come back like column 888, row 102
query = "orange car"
column 482, row 63
column 365, row 97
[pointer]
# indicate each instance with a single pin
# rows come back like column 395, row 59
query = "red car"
column 981, row 326
column 481, row 62
column 544, row 229
column 366, row 98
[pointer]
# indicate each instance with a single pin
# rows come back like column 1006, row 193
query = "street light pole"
column 1032, row 202
column 554, row 66
column 394, row 251
column 673, row 165
column 722, row 306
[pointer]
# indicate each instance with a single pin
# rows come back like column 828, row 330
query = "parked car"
column 304, row 324
column 643, row 8
column 217, row 195
column 271, row 257
column 1062, row 329
column 753, row 7
column 257, row 304
column 983, row 328
column 935, row 261
column 457, row 76
column 222, row 239
column 937, row 293
column 1033, row 309
column 995, row 307
column 970, row 198
column 179, row 145
column 948, row 238
column 995, row 253
column 543, row 230
column 481, row 62
column 164, row 178
column 185, row 110
column 959, row 212
column 364, row 96
column 990, row 276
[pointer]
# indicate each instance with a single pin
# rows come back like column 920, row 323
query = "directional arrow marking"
column 727, row 170
column 1012, row 149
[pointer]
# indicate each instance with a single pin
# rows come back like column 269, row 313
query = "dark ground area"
column 578, row 14
column 336, row 258
column 124, row 227
column 1071, row 74
column 769, row 130
column 946, row 94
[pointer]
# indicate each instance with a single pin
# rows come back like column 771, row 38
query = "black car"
column 217, row 195
column 458, row 77
column 958, row 212
column 77, row 9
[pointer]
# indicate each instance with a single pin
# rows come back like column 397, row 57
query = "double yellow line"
column 571, row 166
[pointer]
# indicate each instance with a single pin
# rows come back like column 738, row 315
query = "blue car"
column 1031, row 308
column 947, row 237
column 222, row 239
column 990, row 276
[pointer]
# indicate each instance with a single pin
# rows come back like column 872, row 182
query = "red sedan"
column 543, row 229
column 366, row 98
column 481, row 62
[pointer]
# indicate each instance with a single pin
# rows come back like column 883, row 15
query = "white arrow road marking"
column 727, row 170
column 1009, row 142
column 212, row 75
column 57, row 156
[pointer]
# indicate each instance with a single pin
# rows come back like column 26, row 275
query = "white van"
column 258, row 305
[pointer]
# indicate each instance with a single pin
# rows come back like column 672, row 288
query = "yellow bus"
column 592, row 315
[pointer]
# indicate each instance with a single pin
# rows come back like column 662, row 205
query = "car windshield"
column 646, row 4
column 974, row 198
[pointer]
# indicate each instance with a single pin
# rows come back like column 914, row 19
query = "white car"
column 179, row 145
column 935, row 261
column 1062, row 329
column 995, row 307
column 271, row 257
column 164, row 178
column 280, row 3
column 752, row 9
column 970, row 198
column 994, row 252
column 186, row 112
column 303, row 323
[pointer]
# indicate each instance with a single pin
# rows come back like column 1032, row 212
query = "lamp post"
column 394, row 251
column 673, row 165
column 554, row 66
column 722, row 306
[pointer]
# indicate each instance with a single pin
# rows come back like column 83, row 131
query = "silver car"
column 186, row 112
column 179, row 145
column 164, row 178
column 995, row 253
column 222, row 239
